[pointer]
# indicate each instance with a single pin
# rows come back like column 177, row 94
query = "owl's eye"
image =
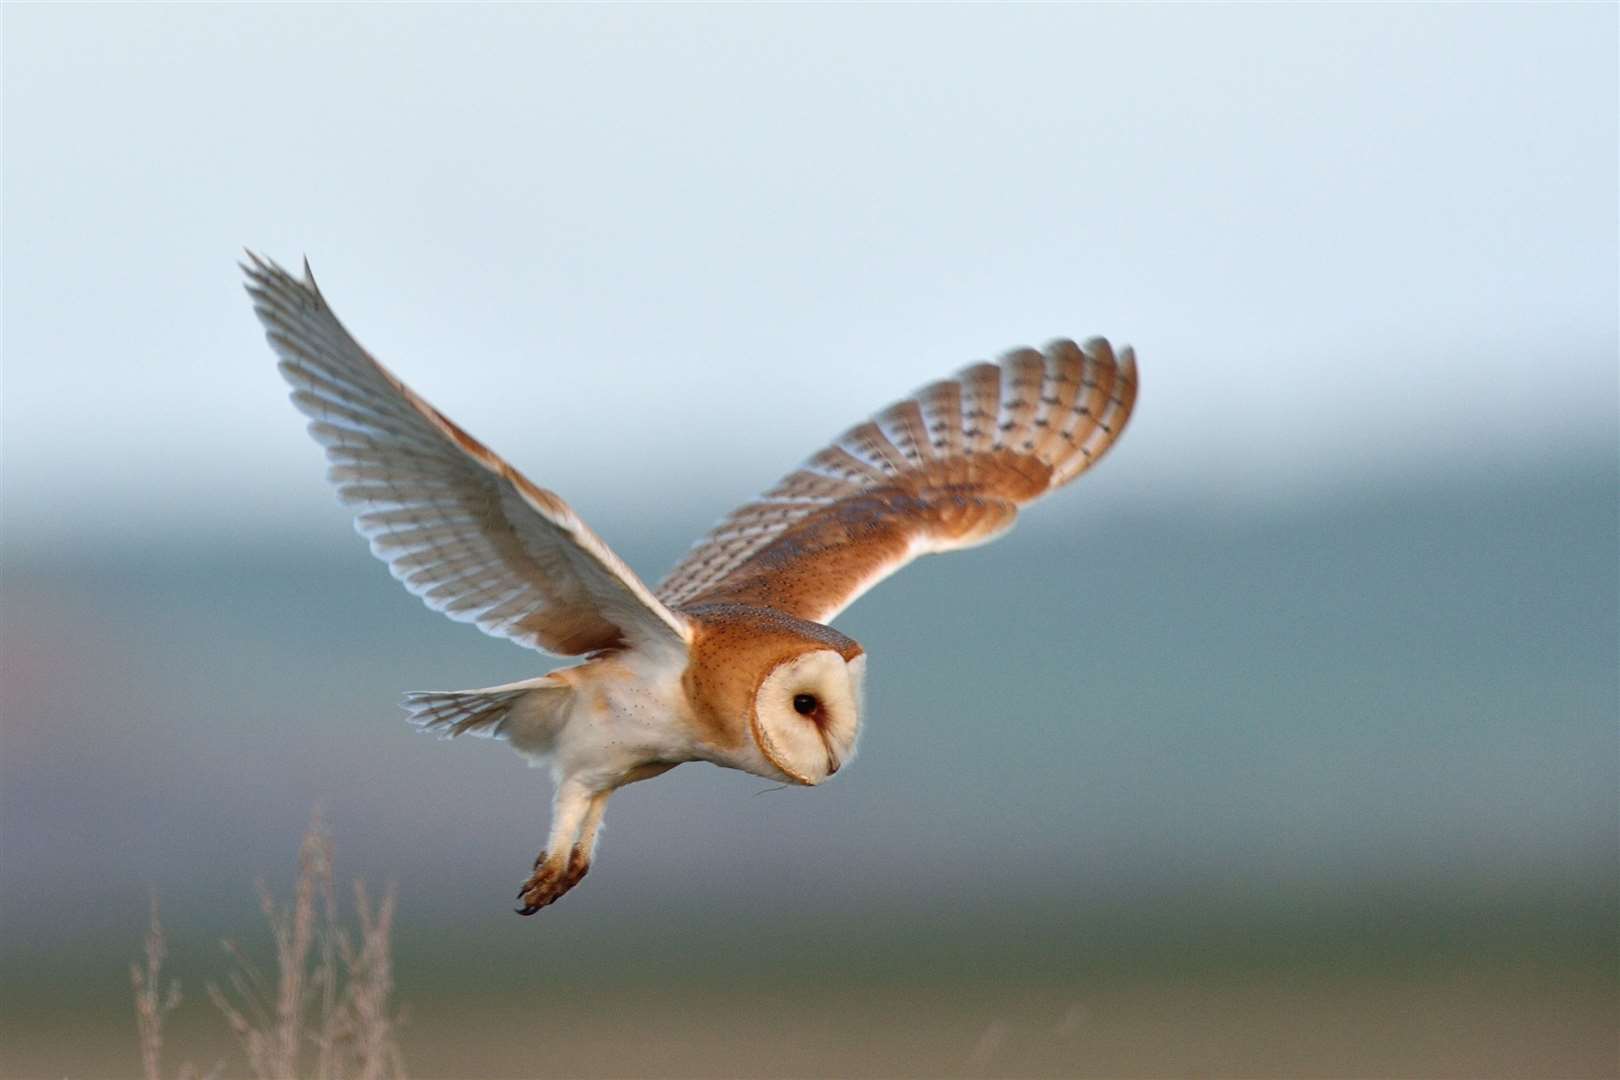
column 805, row 704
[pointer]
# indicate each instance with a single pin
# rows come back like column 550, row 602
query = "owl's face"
column 806, row 715
column 773, row 695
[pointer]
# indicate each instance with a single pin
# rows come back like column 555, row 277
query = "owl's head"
column 774, row 695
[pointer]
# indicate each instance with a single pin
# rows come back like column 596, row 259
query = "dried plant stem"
column 329, row 1014
column 152, row 1005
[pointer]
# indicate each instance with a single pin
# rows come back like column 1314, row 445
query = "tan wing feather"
column 455, row 523
column 944, row 469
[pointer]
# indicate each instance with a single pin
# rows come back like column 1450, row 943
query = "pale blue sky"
column 673, row 249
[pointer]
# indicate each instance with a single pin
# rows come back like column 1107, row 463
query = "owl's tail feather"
column 527, row 711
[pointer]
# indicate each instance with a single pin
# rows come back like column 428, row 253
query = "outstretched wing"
column 944, row 469
column 458, row 526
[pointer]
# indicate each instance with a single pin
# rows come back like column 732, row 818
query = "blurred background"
column 1285, row 743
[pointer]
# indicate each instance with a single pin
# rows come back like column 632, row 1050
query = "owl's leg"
column 576, row 820
column 570, row 808
column 579, row 857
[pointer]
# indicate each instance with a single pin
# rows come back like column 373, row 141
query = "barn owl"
column 730, row 659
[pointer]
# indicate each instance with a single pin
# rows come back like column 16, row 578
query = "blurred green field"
column 1323, row 791
column 940, row 1005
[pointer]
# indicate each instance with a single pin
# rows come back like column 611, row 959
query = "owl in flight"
column 730, row 659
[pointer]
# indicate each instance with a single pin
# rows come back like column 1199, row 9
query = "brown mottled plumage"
column 728, row 661
column 946, row 468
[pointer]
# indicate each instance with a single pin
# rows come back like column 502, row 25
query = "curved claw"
column 527, row 909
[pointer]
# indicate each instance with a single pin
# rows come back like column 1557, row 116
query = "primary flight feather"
column 729, row 660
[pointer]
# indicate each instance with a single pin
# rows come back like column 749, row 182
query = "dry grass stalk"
column 328, row 1014
column 152, row 1004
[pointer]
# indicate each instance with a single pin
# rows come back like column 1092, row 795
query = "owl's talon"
column 551, row 878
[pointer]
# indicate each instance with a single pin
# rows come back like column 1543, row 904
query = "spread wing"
column 944, row 469
column 458, row 526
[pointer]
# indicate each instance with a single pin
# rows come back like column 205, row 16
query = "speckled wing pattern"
column 457, row 525
column 944, row 469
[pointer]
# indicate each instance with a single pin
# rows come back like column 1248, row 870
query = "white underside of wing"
column 456, row 525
